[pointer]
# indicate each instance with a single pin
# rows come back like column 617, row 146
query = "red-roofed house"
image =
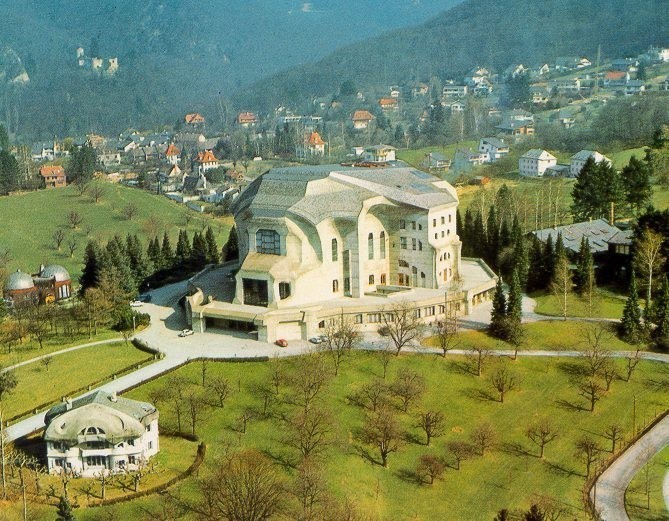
column 172, row 154
column 206, row 161
column 313, row 146
column 194, row 119
column 54, row 176
column 361, row 119
column 389, row 104
column 247, row 119
column 616, row 78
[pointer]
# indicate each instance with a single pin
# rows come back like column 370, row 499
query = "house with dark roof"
column 100, row 433
column 495, row 148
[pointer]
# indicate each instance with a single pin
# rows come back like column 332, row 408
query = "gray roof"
column 598, row 233
column 19, row 280
column 319, row 192
column 622, row 237
column 535, row 153
column 495, row 142
column 117, row 416
column 55, row 271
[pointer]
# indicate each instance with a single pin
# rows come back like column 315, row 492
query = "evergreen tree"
column 492, row 238
column 598, row 185
column 514, row 306
column 4, row 138
column 498, row 314
column 81, row 166
column 468, row 233
column 661, row 313
column 231, row 248
column 559, row 247
column 138, row 262
column 213, row 256
column 630, row 325
column 199, row 251
column 91, row 272
column 458, row 225
column 64, row 510
column 183, row 250
column 549, row 259
column 166, row 252
column 154, row 254
column 636, row 180
column 534, row 514
column 584, row 265
column 505, row 239
column 479, row 244
column 536, row 279
column 10, row 172
column 521, row 260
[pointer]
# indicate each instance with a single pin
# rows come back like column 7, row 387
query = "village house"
column 436, row 161
column 494, row 148
column 205, row 161
column 454, row 91
column 389, row 104
column 100, row 432
column 567, row 87
column 109, row 157
column 578, row 161
column 456, row 107
column 635, row 88
column 625, row 64
column 361, row 119
column 247, row 119
column 570, row 63
column 557, row 170
column 379, row 154
column 614, row 79
column 540, row 94
column 51, row 283
column 465, row 159
column 194, row 120
column 172, row 154
column 420, row 89
column 343, row 241
column 565, row 118
column 47, row 151
column 395, row 92
column 53, row 176
column 516, row 129
column 534, row 163
column 313, row 146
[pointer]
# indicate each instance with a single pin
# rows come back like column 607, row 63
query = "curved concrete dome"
column 54, row 270
column 18, row 281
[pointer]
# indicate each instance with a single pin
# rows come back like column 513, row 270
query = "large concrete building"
column 318, row 241
column 100, row 432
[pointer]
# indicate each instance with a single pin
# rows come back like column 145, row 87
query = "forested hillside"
column 491, row 33
column 174, row 55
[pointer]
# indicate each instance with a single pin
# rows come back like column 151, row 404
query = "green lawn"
column 66, row 373
column 510, row 475
column 552, row 335
column 648, row 485
column 39, row 214
column 416, row 156
column 30, row 348
column 622, row 157
column 661, row 198
column 607, row 305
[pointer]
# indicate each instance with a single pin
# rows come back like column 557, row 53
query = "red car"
column 282, row 342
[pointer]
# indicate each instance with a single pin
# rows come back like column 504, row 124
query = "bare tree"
column 608, row 373
column 97, row 191
column 220, row 387
column 503, row 381
column 372, row 394
column 74, row 219
column 276, row 376
column 243, row 420
column 541, row 434
column 483, row 437
column 408, row 387
column 245, row 486
column 310, row 490
column 460, row 450
column 130, row 211
column 385, row 356
column 592, row 391
column 46, row 362
column 447, row 333
column 265, row 393
column 21, row 463
column 631, row 363
column 58, row 237
column 310, row 375
column 382, row 430
column 552, row 508
column 648, row 258
column 479, row 355
column 37, row 324
column 310, row 431
column 561, row 285
column 203, row 371
column 587, row 450
column 430, row 468
column 614, row 433
column 341, row 335
column 81, row 186
column 102, row 477
column 595, row 355
column 72, row 247
column 432, row 423
column 402, row 324
column 196, row 405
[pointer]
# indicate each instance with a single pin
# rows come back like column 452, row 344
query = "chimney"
column 68, row 404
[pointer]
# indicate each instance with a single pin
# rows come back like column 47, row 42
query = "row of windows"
column 443, row 220
column 448, row 232
column 377, row 318
column 412, row 224
column 415, row 244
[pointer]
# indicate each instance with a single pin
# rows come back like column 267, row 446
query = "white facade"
column 578, row 161
column 379, row 154
column 100, row 433
column 493, row 148
column 535, row 162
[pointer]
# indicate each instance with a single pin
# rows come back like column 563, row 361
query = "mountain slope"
column 174, row 55
column 492, row 33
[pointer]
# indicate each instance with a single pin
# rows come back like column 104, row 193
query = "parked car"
column 282, row 342
column 318, row 339
column 186, row 332
column 136, row 304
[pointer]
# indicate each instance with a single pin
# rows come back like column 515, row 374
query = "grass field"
column 509, row 475
column 607, row 305
column 416, row 156
column 72, row 371
column 647, row 485
column 37, row 215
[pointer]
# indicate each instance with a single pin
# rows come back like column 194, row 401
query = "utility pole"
column 599, row 56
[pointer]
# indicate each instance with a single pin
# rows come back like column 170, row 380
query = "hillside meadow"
column 35, row 217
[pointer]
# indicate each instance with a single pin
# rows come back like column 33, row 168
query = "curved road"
column 167, row 320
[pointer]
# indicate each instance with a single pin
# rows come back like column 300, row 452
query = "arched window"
column 371, row 279
column 335, row 286
column 370, row 246
column 335, row 253
column 422, row 279
column 382, row 244
column 403, row 263
column 284, row 290
column 383, row 278
column 268, row 241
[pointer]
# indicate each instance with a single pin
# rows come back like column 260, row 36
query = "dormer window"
column 268, row 242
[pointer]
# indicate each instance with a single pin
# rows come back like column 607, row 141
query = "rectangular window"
column 429, row 312
column 373, row 318
column 358, row 319
column 443, row 220
column 268, row 241
column 413, row 244
column 371, row 280
column 403, row 243
column 150, row 445
column 403, row 224
column 131, row 459
column 347, row 284
column 449, row 217
column 284, row 290
column 434, row 222
column 413, row 225
column 335, row 286
column 383, row 278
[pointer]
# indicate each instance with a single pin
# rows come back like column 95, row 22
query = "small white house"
column 494, row 148
column 534, row 163
column 100, row 432
column 579, row 159
column 379, row 154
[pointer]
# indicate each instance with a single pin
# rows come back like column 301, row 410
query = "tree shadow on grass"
column 516, row 449
column 462, row 367
column 555, row 468
column 410, row 476
column 410, row 437
column 478, row 394
column 569, row 406
column 572, row 368
column 365, row 454
column 281, row 459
